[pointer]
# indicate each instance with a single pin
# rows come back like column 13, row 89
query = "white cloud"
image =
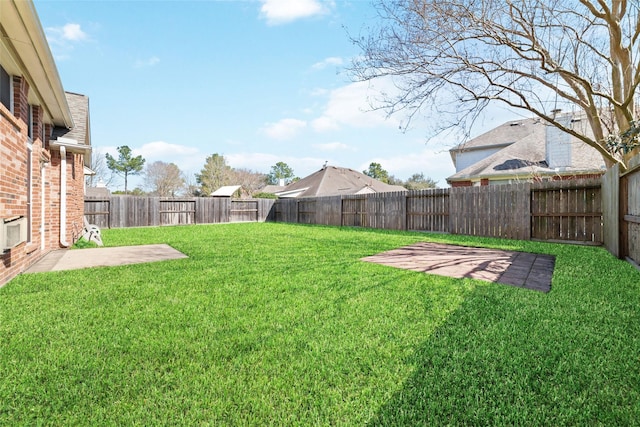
column 325, row 123
column 69, row 32
column 162, row 149
column 331, row 61
column 262, row 162
column 73, row 32
column 284, row 11
column 284, row 129
column 63, row 39
column 353, row 105
column 318, row 92
column 333, row 146
column 149, row 62
column 186, row 158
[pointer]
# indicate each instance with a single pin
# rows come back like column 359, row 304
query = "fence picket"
column 134, row 211
column 568, row 211
column 544, row 211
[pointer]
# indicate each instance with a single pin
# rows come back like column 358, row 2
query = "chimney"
column 281, row 182
column 558, row 144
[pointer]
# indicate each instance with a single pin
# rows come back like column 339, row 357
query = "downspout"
column 63, row 197
column 42, row 205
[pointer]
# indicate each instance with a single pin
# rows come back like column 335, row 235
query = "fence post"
column 403, row 206
column 611, row 210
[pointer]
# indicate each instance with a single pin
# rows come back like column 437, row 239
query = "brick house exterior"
column 44, row 144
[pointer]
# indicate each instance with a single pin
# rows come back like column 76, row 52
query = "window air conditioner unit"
column 13, row 231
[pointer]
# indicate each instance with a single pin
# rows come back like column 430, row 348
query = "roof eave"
column 461, row 148
column 21, row 24
column 527, row 174
column 291, row 193
column 70, row 145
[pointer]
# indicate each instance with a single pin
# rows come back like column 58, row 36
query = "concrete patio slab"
column 65, row 259
column 522, row 269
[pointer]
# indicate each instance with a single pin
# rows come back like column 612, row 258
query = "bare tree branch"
column 455, row 57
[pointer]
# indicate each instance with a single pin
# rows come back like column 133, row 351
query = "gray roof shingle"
column 79, row 108
column 524, row 153
column 333, row 181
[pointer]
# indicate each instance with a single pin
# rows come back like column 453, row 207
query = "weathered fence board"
column 134, row 211
column 428, row 210
column 491, row 211
column 307, row 211
column 354, row 211
column 175, row 212
column 630, row 212
column 621, row 211
column 244, row 211
column 329, row 212
column 98, row 212
column 212, row 210
column 286, row 210
column 568, row 211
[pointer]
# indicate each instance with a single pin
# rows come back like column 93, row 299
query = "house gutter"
column 291, row 193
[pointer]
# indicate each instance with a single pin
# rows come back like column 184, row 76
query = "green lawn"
column 283, row 325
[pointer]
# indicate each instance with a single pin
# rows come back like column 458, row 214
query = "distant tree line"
column 167, row 180
column 417, row 181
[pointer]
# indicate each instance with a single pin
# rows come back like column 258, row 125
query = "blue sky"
column 259, row 82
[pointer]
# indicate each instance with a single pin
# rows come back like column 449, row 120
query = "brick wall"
column 13, row 190
column 461, row 184
column 20, row 98
column 571, row 177
column 15, row 159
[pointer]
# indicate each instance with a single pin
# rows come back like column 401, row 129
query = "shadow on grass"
column 517, row 357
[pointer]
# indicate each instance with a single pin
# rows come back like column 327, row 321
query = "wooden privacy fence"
column 621, row 206
column 569, row 211
column 134, row 211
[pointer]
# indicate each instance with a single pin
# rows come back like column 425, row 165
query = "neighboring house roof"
column 503, row 135
column 225, row 191
column 97, row 192
column 273, row 189
column 333, row 181
column 524, row 153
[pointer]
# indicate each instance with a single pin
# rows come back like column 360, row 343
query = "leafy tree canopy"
column 215, row 174
column 375, row 171
column 418, row 181
column 279, row 171
column 126, row 164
